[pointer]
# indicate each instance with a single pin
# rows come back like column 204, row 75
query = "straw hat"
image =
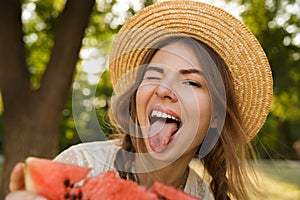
column 244, row 56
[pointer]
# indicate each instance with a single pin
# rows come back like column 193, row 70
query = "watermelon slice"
column 58, row 181
column 170, row 193
column 51, row 179
column 107, row 186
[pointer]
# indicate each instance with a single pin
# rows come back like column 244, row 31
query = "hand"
column 23, row 195
column 17, row 179
column 17, row 185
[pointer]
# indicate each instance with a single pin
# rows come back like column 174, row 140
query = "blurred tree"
column 32, row 110
column 87, row 107
column 40, row 42
column 276, row 24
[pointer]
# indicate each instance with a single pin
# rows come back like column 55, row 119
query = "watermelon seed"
column 67, row 182
column 67, row 195
column 160, row 197
column 80, row 195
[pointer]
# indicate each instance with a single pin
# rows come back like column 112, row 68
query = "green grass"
column 278, row 180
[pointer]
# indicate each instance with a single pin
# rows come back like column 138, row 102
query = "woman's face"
column 173, row 103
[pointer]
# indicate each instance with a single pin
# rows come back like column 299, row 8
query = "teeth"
column 164, row 115
column 156, row 113
column 159, row 114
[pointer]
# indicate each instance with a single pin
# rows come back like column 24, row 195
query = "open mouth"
column 163, row 129
column 159, row 115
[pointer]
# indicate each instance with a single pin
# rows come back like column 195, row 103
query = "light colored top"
column 100, row 157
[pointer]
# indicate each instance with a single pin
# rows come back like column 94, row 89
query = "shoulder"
column 94, row 147
column 99, row 155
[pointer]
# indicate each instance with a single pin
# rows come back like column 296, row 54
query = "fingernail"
column 17, row 166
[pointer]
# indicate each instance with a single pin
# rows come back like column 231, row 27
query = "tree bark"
column 32, row 117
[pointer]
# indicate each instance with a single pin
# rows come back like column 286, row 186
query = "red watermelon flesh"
column 170, row 193
column 107, row 186
column 55, row 181
column 51, row 179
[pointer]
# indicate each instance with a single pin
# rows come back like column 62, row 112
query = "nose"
column 165, row 93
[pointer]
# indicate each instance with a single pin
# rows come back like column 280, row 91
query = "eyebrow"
column 157, row 69
column 190, row 71
column 183, row 71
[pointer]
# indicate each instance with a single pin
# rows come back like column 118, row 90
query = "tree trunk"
column 32, row 117
column 29, row 131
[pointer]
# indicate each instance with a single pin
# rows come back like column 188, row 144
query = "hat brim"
column 229, row 37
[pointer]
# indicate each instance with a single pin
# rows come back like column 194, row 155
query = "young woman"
column 190, row 81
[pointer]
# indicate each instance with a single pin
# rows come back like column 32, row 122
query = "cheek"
column 205, row 110
column 198, row 114
column 143, row 96
column 199, row 106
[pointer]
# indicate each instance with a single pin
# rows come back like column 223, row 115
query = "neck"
column 174, row 174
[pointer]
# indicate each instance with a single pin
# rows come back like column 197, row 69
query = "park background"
column 55, row 51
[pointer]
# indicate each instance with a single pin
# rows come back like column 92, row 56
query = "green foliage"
column 82, row 99
column 258, row 18
column 149, row 2
column 39, row 22
column 276, row 25
column 87, row 96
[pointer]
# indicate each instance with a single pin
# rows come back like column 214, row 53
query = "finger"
column 23, row 195
column 17, row 181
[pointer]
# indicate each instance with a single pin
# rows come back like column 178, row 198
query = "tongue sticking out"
column 160, row 134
